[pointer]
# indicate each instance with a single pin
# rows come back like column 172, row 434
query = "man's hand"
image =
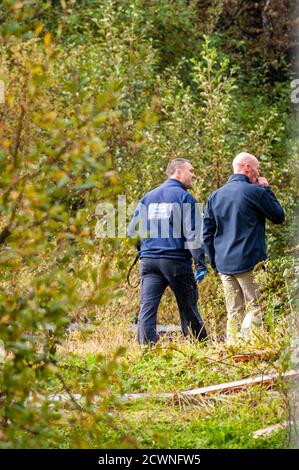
column 200, row 274
column 262, row 181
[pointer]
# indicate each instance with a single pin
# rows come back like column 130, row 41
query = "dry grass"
column 113, row 323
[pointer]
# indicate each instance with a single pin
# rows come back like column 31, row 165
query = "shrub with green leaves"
column 98, row 97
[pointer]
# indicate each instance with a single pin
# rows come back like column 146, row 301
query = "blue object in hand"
column 200, row 274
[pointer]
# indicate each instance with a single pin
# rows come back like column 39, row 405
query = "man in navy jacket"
column 234, row 239
column 169, row 228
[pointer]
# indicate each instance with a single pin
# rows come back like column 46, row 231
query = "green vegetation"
column 99, row 95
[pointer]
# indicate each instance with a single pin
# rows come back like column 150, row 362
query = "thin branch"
column 8, row 228
column 19, row 133
column 69, row 392
column 16, row 180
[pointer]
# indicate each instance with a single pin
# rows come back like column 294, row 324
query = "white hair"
column 241, row 160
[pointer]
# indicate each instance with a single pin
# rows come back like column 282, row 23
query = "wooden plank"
column 240, row 384
column 161, row 329
column 228, row 387
column 136, row 396
column 256, row 356
column 247, row 357
column 232, row 386
column 270, row 429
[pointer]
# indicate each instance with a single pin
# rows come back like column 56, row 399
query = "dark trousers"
column 156, row 275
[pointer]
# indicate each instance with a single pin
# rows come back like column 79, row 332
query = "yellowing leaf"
column 5, row 143
column 10, row 100
column 114, row 178
column 51, row 116
column 36, row 70
column 17, row 6
column 6, row 319
column 14, row 195
column 48, row 39
column 58, row 174
column 73, row 228
column 38, row 29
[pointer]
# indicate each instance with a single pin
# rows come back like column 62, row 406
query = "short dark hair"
column 173, row 165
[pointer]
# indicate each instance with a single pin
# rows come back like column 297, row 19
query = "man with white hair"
column 234, row 239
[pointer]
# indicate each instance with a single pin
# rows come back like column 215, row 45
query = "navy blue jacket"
column 234, row 224
column 170, row 224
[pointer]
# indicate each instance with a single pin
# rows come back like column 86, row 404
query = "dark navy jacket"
column 170, row 224
column 234, row 224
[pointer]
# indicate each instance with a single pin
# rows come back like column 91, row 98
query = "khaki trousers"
column 241, row 294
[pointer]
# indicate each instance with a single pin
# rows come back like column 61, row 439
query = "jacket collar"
column 238, row 177
column 174, row 182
